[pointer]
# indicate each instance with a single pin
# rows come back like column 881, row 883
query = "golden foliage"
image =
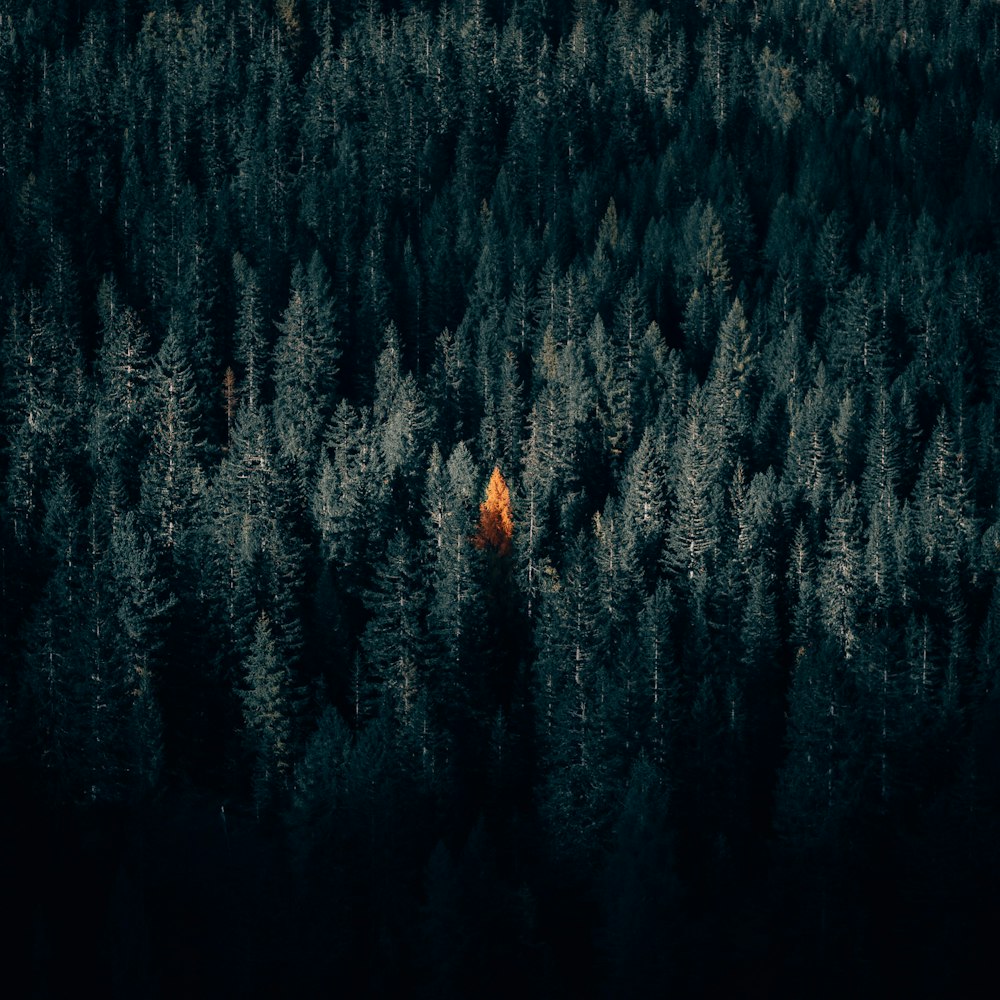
column 496, row 524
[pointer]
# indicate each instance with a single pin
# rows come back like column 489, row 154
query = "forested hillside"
column 500, row 497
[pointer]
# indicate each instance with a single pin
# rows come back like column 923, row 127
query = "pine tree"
column 841, row 593
column 394, row 640
column 630, row 324
column 120, row 417
column 945, row 516
column 694, row 526
column 559, row 440
column 639, row 692
column 614, row 390
column 815, row 788
column 250, row 337
column 456, row 615
column 173, row 485
column 570, row 677
column 643, row 502
column 880, row 483
column 318, row 788
column 807, row 475
column 351, row 500
column 759, row 531
column 266, row 716
column 92, row 654
column 58, row 647
column 705, row 270
column 194, row 291
column 729, row 385
column 139, row 603
column 496, row 525
column 304, row 369
column 45, row 400
column 400, row 412
column 258, row 552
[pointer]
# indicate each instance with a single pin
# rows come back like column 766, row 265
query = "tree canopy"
column 699, row 691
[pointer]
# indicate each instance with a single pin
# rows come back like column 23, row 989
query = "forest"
column 500, row 497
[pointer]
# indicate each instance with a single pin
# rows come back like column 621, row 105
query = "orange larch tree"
column 496, row 525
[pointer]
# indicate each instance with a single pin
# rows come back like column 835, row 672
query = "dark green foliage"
column 713, row 287
column 586, row 727
column 266, row 715
column 304, row 369
column 120, row 421
column 92, row 653
column 394, row 641
column 816, row 788
column 172, row 478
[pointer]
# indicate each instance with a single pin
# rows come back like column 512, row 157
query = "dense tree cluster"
column 699, row 687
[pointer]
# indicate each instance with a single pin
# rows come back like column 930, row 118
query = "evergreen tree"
column 172, row 480
column 266, row 716
column 57, row 646
column 730, row 383
column 394, row 641
column 352, row 496
column 705, row 272
column 643, row 504
column 807, row 475
column 401, row 414
column 250, row 335
column 139, row 604
column 841, row 593
column 92, row 654
column 45, row 400
column 815, row 789
column 304, row 369
column 614, row 410
column 694, row 520
column 570, row 679
column 945, row 517
column 456, row 615
column 120, row 416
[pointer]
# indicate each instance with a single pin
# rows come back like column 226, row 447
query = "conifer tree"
column 400, row 412
column 569, row 681
column 614, row 411
column 841, row 592
column 815, row 786
column 456, row 614
column 496, row 525
column 172, row 480
column 139, row 603
column 304, row 368
column 45, row 400
column 353, row 491
column 266, row 716
column 694, row 525
column 250, row 335
column 119, row 422
column 944, row 512
column 57, row 646
column 394, row 641
column 702, row 263
column 92, row 654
